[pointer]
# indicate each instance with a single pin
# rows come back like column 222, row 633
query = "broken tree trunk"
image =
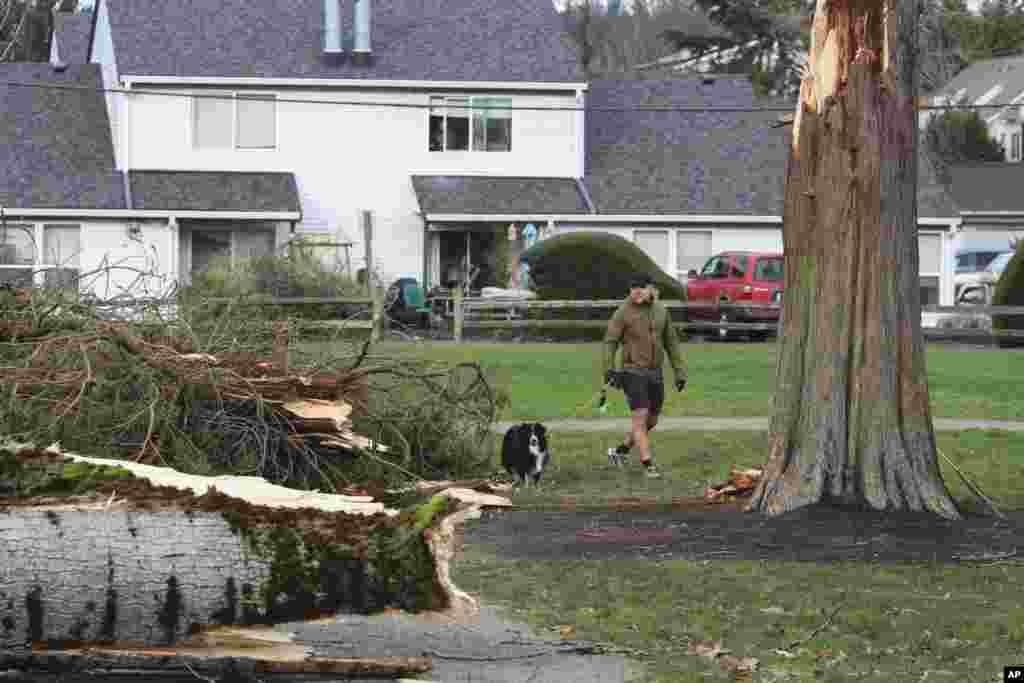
column 851, row 422
column 145, row 556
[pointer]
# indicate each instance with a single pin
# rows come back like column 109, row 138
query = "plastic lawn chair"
column 415, row 302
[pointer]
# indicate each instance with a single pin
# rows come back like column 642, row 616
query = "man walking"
column 643, row 327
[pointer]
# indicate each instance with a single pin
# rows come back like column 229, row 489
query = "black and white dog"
column 524, row 452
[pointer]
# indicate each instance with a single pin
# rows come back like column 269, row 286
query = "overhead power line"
column 415, row 105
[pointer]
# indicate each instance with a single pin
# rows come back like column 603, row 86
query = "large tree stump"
column 851, row 422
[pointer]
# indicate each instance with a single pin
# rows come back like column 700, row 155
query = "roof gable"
column 680, row 162
column 58, row 151
column 641, row 162
column 453, row 40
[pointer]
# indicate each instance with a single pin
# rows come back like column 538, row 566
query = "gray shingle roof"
column 457, row 40
column 213, row 191
column 698, row 163
column 681, row 162
column 57, row 151
column 71, row 31
column 483, row 195
column 988, row 186
column 980, row 77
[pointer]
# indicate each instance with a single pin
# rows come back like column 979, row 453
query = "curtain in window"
column 257, row 122
column 655, row 245
column 693, row 249
column 212, row 124
column 492, row 124
column 17, row 245
column 61, row 254
column 929, row 248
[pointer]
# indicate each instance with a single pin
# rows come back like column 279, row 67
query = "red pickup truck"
column 732, row 279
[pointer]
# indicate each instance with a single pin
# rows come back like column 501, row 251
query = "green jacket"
column 646, row 334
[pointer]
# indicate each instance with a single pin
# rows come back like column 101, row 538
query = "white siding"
column 103, row 54
column 110, row 244
column 746, row 239
column 349, row 158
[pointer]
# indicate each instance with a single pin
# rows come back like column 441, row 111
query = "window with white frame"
column 470, row 124
column 230, row 120
column 58, row 260
column 929, row 249
column 655, row 244
column 17, row 254
column 693, row 249
column 1015, row 147
column 61, row 255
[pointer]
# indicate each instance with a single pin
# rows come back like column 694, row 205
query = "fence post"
column 279, row 355
column 376, row 296
column 368, row 248
column 458, row 312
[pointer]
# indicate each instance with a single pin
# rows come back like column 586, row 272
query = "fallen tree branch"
column 972, row 486
column 825, row 624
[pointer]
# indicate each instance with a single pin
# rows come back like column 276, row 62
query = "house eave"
column 951, row 222
column 129, row 80
column 11, row 212
column 604, row 218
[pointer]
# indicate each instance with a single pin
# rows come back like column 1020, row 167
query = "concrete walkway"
column 724, row 424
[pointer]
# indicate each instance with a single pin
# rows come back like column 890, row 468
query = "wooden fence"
column 507, row 314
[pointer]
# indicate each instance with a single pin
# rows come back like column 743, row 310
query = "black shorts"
column 644, row 389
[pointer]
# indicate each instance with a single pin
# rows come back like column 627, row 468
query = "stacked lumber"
column 741, row 483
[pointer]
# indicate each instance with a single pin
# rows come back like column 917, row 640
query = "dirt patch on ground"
column 650, row 504
column 316, row 527
column 815, row 534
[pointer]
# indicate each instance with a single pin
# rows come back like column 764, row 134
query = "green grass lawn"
column 909, row 622
column 548, row 381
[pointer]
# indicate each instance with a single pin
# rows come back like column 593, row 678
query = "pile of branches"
column 231, row 394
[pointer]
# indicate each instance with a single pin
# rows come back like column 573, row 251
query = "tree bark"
column 851, row 422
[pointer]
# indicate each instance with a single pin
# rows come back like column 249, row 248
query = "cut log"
column 146, row 564
column 111, row 661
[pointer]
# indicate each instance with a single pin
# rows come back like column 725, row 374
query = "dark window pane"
column 769, row 269
column 436, row 133
column 499, row 135
column 458, row 133
column 738, row 267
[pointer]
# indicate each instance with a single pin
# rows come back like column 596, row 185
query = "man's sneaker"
column 617, row 458
column 652, row 470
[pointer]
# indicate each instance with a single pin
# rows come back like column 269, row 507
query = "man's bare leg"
column 652, row 421
column 639, row 433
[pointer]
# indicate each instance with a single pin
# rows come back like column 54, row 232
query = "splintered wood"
column 329, row 421
column 740, row 483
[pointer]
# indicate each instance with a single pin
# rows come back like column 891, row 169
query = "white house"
column 998, row 82
column 226, row 128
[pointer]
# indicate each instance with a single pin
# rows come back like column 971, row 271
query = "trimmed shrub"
column 1010, row 292
column 592, row 266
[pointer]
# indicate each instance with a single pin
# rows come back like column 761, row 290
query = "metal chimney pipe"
column 362, row 15
column 332, row 27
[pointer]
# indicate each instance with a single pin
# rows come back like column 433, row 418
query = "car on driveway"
column 738, row 287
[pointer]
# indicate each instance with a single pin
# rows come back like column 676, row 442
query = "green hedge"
column 1010, row 292
column 592, row 265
